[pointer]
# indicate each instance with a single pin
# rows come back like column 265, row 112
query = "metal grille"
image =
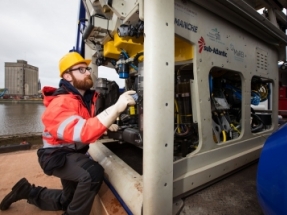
column 261, row 57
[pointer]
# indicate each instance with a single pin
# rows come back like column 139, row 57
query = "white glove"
column 124, row 100
column 114, row 127
column 109, row 115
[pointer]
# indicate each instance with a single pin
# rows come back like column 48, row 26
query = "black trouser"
column 81, row 178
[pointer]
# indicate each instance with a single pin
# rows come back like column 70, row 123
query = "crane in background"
column 2, row 92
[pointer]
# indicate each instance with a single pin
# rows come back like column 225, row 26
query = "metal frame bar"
column 158, row 106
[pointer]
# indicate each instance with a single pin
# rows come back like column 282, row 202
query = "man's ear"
column 67, row 77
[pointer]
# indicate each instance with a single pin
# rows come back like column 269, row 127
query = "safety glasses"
column 82, row 70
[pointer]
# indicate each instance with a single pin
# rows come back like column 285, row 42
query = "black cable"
column 258, row 127
column 137, row 57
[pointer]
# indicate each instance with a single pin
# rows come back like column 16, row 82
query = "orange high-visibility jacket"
column 67, row 121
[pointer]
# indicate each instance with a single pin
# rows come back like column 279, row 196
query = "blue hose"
column 118, row 197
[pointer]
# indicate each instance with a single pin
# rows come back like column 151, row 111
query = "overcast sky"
column 40, row 32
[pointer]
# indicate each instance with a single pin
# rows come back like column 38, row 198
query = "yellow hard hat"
column 71, row 59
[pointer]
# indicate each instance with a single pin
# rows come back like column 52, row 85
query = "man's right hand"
column 124, row 100
column 109, row 115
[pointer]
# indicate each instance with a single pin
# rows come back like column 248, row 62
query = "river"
column 18, row 118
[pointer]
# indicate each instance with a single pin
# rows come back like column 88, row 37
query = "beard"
column 85, row 84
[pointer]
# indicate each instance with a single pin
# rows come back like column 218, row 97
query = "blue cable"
column 125, row 54
column 127, row 57
column 210, row 83
column 255, row 97
column 133, row 66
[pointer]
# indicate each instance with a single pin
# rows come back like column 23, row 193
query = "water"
column 18, row 118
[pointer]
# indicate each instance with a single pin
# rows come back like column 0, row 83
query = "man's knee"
column 96, row 172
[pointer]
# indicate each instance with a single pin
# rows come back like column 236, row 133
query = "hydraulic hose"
column 223, row 135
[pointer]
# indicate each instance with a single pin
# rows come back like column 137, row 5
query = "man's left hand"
column 114, row 127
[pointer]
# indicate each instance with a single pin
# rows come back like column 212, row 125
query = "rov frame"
column 245, row 36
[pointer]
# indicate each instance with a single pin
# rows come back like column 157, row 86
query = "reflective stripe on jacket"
column 67, row 121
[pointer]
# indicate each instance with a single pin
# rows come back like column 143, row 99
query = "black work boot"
column 20, row 191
